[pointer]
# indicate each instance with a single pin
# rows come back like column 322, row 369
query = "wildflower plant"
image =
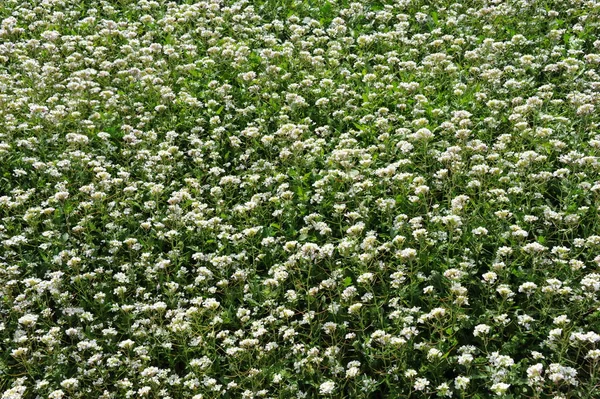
column 296, row 199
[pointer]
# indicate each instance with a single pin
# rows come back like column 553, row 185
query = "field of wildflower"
column 299, row 199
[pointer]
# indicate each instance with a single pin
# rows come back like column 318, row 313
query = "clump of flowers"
column 251, row 199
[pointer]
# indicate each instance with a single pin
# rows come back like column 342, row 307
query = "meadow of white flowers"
column 299, row 198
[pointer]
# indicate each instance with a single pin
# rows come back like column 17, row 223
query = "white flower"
column 444, row 390
column 70, row 383
column 57, row 394
column 585, row 109
column 28, row 320
column 534, row 374
column 365, row 278
column 505, row 291
column 481, row 329
column 352, row 372
column 211, row 303
column 423, row 134
column 433, row 354
column 465, row 359
column 421, row 384
column 593, row 354
column 489, row 277
column 355, row 308
column 501, row 361
column 558, row 374
column 61, row 195
column 19, row 352
column 16, row 392
column 429, row 289
column 525, row 321
column 410, row 373
column 561, row 320
column 461, row 382
column 500, row 388
column 534, row 247
column 327, row 388
column 480, row 231
column 528, row 288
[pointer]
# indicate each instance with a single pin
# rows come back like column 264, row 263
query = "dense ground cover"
column 281, row 199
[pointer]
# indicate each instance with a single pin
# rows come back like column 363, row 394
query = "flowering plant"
column 299, row 198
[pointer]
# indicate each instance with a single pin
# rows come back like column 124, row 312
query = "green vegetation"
column 295, row 199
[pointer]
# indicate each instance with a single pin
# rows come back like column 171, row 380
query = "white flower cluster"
column 265, row 199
